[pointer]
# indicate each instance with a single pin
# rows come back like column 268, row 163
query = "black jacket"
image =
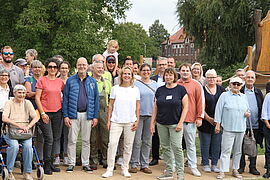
column 259, row 98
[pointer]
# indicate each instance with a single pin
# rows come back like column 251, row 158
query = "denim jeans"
column 52, row 134
column 13, row 149
column 142, row 143
column 170, row 141
column 190, row 137
column 207, row 139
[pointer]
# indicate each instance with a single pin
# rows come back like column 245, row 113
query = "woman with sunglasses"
column 231, row 112
column 49, row 103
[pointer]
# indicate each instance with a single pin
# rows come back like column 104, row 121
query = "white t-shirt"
column 106, row 54
column 124, row 108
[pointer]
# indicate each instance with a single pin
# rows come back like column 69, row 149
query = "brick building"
column 181, row 47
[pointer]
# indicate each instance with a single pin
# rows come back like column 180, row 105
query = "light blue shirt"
column 160, row 81
column 147, row 97
column 230, row 111
column 253, row 107
column 266, row 107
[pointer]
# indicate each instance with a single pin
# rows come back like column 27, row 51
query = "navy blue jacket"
column 71, row 93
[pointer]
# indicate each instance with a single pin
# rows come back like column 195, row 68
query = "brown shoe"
column 133, row 170
column 146, row 170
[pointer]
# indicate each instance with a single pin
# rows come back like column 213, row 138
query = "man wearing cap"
column 16, row 73
column 21, row 63
column 231, row 113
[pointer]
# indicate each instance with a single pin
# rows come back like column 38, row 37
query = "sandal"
column 221, row 175
column 236, row 174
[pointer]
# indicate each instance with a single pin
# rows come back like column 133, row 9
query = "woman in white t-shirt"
column 123, row 116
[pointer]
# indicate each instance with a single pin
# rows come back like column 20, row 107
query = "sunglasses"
column 50, row 67
column 236, row 84
column 8, row 53
column 111, row 62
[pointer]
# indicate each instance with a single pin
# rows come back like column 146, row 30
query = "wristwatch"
column 42, row 113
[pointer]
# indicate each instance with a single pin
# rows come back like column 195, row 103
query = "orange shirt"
column 195, row 100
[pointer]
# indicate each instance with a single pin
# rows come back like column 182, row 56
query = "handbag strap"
column 250, row 125
column 146, row 85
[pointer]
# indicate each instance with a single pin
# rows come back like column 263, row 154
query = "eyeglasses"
column 111, row 62
column 4, row 75
column 236, row 84
column 8, row 53
column 50, row 67
column 146, row 70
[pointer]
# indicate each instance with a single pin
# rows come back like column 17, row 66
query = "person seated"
column 17, row 113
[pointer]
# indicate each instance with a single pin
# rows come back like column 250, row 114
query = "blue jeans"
column 207, row 139
column 12, row 151
column 142, row 143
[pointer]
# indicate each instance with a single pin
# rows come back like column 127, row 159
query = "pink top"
column 51, row 100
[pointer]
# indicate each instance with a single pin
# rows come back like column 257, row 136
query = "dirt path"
column 157, row 170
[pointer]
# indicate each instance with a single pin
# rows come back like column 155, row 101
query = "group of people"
column 120, row 112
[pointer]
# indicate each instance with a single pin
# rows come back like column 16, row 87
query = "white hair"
column 211, row 71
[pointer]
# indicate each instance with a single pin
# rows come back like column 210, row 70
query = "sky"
column 145, row 12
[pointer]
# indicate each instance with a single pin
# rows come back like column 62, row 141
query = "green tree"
column 222, row 29
column 133, row 41
column 67, row 27
column 158, row 33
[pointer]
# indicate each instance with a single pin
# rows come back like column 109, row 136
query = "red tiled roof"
column 178, row 37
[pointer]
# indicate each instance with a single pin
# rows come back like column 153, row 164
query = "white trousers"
column 231, row 142
column 116, row 130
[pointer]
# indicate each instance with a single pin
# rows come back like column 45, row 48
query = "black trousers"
column 252, row 160
column 155, row 145
column 266, row 132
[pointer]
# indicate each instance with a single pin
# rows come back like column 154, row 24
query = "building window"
column 166, row 46
column 192, row 45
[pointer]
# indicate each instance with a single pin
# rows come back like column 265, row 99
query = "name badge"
column 168, row 97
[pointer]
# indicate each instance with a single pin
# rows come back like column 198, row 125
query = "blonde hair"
column 113, row 43
column 121, row 74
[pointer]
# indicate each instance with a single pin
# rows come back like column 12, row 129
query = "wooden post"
column 258, row 37
column 249, row 61
column 141, row 60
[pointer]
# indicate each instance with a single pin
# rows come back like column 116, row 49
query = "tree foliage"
column 158, row 33
column 133, row 41
column 67, row 27
column 222, row 28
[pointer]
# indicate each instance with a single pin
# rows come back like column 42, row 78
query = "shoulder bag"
column 249, row 144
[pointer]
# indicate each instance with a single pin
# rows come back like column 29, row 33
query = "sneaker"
column 87, row 169
column 107, row 174
column 66, row 161
column 70, row 168
column 120, row 161
column 93, row 166
column 165, row 176
column 56, row 161
column 206, row 168
column 11, row 176
column 236, row 174
column 27, row 176
column 126, row 173
column 133, row 170
column 215, row 169
column 195, row 172
column 221, row 175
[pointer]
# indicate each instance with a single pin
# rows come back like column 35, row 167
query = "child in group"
column 112, row 48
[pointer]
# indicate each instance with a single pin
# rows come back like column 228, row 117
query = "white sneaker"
column 195, row 172
column 206, row 168
column 56, row 161
column 120, row 161
column 107, row 174
column 66, row 161
column 126, row 173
